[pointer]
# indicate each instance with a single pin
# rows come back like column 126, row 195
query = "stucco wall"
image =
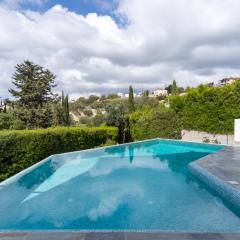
column 196, row 136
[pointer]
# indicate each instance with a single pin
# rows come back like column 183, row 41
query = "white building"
column 159, row 92
column 126, row 95
column 230, row 80
column 121, row 95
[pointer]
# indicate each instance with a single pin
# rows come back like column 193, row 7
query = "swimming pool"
column 142, row 186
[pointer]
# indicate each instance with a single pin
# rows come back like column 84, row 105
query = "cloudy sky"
column 102, row 46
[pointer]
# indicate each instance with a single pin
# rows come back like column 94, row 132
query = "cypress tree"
column 174, row 88
column 65, row 116
column 66, row 111
column 131, row 106
column 5, row 107
column 63, row 98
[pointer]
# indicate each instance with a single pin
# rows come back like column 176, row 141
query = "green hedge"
column 209, row 109
column 156, row 122
column 23, row 148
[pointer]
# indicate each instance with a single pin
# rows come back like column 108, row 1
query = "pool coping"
column 74, row 235
column 220, row 171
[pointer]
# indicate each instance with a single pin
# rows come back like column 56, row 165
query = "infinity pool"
column 140, row 186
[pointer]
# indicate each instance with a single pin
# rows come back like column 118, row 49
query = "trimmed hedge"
column 209, row 109
column 23, row 148
column 155, row 123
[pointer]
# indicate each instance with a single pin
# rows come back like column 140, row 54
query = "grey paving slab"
column 157, row 236
column 105, row 236
column 43, row 235
column 181, row 236
column 118, row 236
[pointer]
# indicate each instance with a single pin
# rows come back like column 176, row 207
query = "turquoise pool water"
column 140, row 186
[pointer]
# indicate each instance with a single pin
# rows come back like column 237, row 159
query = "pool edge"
column 28, row 169
column 119, row 235
column 213, row 170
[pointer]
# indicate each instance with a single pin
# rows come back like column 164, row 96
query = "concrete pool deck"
column 118, row 236
column 219, row 171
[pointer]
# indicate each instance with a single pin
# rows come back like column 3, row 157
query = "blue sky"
column 83, row 7
column 101, row 7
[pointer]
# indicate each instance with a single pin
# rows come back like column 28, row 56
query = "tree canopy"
column 209, row 109
column 33, row 85
column 33, row 91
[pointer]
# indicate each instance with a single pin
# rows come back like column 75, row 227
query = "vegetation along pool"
column 139, row 186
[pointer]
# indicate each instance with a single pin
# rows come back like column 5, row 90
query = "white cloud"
column 110, row 202
column 190, row 41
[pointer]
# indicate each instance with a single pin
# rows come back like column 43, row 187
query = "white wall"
column 196, row 136
column 237, row 130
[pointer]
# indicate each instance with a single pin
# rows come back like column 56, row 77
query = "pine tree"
column 33, row 91
column 33, row 85
column 169, row 88
column 174, row 88
column 131, row 106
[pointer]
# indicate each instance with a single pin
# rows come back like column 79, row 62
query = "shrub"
column 209, row 109
column 88, row 112
column 10, row 121
column 97, row 120
column 206, row 140
column 153, row 123
column 117, row 116
column 5, row 120
column 21, row 149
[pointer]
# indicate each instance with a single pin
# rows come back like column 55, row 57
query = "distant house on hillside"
column 4, row 104
column 230, row 80
column 127, row 95
column 159, row 92
column 121, row 95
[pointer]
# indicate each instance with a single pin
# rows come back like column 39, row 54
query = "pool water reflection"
column 140, row 186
